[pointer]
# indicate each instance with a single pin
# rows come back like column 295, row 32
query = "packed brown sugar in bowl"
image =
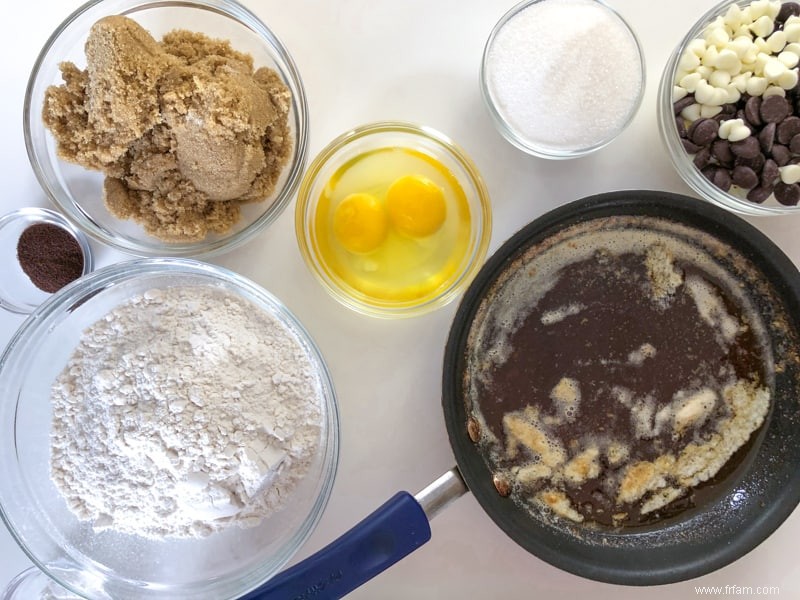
column 615, row 375
column 184, row 129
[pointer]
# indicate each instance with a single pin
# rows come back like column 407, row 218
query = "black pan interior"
column 755, row 501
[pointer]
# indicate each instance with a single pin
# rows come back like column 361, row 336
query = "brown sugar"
column 185, row 130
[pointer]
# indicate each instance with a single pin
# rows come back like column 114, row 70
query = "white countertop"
column 414, row 60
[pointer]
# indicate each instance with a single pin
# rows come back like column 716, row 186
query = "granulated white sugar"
column 565, row 74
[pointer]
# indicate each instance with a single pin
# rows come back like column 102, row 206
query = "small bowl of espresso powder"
column 44, row 252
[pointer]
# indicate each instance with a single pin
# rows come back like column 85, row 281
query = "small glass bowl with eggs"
column 393, row 219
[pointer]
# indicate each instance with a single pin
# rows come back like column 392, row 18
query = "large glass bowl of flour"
column 82, row 381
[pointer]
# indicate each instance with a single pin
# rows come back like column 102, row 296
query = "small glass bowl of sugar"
column 550, row 92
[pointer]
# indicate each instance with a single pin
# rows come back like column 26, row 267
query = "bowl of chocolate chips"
column 729, row 106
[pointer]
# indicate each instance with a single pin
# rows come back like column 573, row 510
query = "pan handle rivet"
column 474, row 429
column 501, row 485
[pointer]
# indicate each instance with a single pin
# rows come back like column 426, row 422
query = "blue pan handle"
column 390, row 533
column 393, row 531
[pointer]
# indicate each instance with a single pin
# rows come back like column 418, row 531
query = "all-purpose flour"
column 182, row 412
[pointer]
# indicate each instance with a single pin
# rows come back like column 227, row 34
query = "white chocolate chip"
column 751, row 54
column 743, row 31
column 790, row 59
column 727, row 60
column 690, row 82
column 718, row 37
column 794, row 48
column 725, row 127
column 776, row 42
column 773, row 8
column 759, row 9
column 740, row 81
column 709, row 58
column 720, row 79
column 705, row 72
column 708, row 111
column 733, row 130
column 708, row 94
column 790, row 173
column 697, row 47
column 704, row 93
column 773, row 69
column 678, row 93
column 774, row 90
column 740, row 45
column 689, row 61
column 756, row 86
column 732, row 94
column 760, row 63
column 733, row 16
column 788, row 80
column 739, row 133
column 691, row 113
column 792, row 31
column 762, row 26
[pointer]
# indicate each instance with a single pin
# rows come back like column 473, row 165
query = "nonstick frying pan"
column 745, row 509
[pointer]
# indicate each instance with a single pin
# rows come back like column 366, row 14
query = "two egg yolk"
column 360, row 223
column 415, row 206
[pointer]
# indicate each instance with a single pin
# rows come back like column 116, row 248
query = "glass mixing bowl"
column 78, row 192
column 510, row 120
column 424, row 141
column 734, row 200
column 108, row 564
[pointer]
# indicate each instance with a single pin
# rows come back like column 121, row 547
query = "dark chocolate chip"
column 769, row 172
column 794, row 144
column 703, row 131
column 787, row 129
column 759, row 194
column 788, row 9
column 756, row 162
column 744, row 177
column 718, row 176
column 728, row 109
column 693, row 148
column 680, row 125
column 752, row 110
column 683, row 103
column 702, row 158
column 746, row 148
column 740, row 115
column 721, row 150
column 787, row 194
column 766, row 137
column 722, row 179
column 774, row 109
column 781, row 154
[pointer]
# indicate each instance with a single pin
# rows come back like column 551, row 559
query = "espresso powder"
column 50, row 256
